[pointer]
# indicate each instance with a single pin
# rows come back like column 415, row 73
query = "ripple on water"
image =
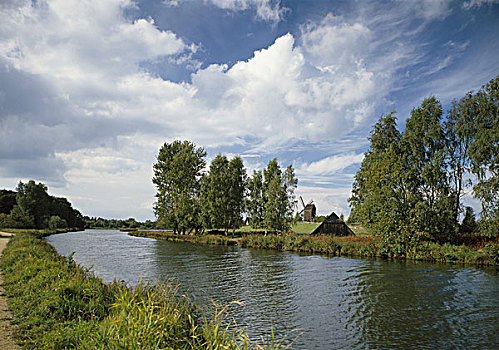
column 334, row 302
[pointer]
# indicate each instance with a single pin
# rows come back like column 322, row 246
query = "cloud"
column 468, row 5
column 84, row 59
column 77, row 99
column 326, row 199
column 331, row 165
column 266, row 10
column 432, row 9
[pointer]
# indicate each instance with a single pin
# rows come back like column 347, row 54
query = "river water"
column 321, row 302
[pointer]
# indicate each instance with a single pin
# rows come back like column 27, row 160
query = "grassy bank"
column 365, row 246
column 41, row 233
column 203, row 239
column 58, row 305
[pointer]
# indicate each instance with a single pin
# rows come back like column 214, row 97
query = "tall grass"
column 484, row 253
column 58, row 305
column 371, row 246
column 203, row 239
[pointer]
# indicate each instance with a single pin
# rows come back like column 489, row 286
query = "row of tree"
column 188, row 199
column 98, row 222
column 414, row 181
column 30, row 206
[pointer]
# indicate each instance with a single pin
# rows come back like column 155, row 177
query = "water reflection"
column 334, row 302
column 417, row 305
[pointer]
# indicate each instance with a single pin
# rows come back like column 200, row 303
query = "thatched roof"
column 333, row 225
column 333, row 218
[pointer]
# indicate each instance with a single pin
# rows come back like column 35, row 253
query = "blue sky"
column 89, row 90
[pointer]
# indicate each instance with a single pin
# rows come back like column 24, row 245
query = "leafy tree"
column 62, row 207
column 177, row 176
column 18, row 218
column 289, row 183
column 484, row 153
column 274, row 218
column 255, row 203
column 379, row 194
column 237, row 189
column 222, row 196
column 278, row 196
column 425, row 143
column 7, row 201
column 33, row 202
column 459, row 132
column 214, row 195
column 56, row 222
column 469, row 222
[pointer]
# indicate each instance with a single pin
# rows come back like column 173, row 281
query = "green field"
column 304, row 228
column 300, row 228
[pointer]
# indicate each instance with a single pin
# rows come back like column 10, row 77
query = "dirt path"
column 6, row 329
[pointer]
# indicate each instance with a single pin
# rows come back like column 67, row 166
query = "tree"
column 237, row 189
column 7, row 201
column 177, row 176
column 56, row 222
column 34, row 202
column 222, row 196
column 278, row 196
column 459, row 134
column 289, row 183
column 425, row 143
column 255, row 203
column 214, row 194
column 379, row 194
column 469, row 222
column 484, row 154
column 274, row 218
column 62, row 207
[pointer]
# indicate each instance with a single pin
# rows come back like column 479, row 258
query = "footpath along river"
column 6, row 328
column 323, row 302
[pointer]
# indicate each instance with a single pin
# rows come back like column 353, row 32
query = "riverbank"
column 7, row 329
column 367, row 246
column 57, row 304
column 41, row 233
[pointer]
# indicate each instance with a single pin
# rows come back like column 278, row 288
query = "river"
column 323, row 302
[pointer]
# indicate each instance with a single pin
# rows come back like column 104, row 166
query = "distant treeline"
column 410, row 185
column 94, row 222
column 30, row 206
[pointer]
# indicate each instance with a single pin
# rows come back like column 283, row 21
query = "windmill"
column 308, row 210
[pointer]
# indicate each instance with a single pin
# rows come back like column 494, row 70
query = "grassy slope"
column 58, row 305
column 362, row 245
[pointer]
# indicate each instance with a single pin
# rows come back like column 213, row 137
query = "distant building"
column 333, row 225
column 309, row 212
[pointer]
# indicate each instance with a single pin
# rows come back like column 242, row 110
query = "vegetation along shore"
column 57, row 304
column 477, row 251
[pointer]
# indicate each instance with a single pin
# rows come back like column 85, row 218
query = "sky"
column 91, row 89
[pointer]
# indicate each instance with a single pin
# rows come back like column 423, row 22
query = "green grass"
column 59, row 305
column 249, row 229
column 304, row 228
column 40, row 232
column 359, row 230
column 366, row 245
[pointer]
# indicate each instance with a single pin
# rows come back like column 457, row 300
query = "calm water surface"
column 325, row 303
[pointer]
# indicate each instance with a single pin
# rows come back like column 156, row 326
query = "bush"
column 56, row 222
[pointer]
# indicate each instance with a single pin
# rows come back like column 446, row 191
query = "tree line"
column 413, row 181
column 30, row 206
column 190, row 199
column 98, row 222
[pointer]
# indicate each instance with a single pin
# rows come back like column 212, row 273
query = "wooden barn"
column 333, row 225
column 309, row 212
